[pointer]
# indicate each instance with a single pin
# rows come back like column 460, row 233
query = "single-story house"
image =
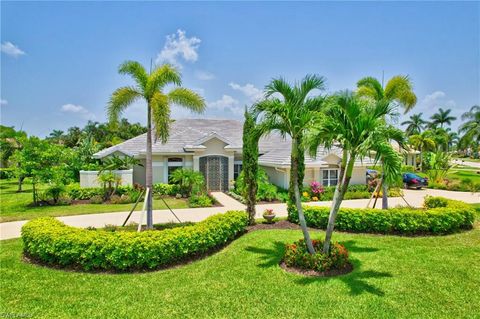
column 214, row 147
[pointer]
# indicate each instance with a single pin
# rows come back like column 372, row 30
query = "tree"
column 415, row 124
column 471, row 127
column 358, row 127
column 251, row 136
column 56, row 136
column 398, row 91
column 289, row 110
column 442, row 117
column 150, row 87
column 189, row 181
column 422, row 142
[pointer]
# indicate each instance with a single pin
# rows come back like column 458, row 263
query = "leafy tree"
column 422, row 142
column 73, row 136
column 10, row 140
column 150, row 88
column 442, row 117
column 289, row 110
column 251, row 137
column 358, row 126
column 415, row 124
column 56, row 136
column 398, row 91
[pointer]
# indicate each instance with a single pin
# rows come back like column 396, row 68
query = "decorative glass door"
column 215, row 170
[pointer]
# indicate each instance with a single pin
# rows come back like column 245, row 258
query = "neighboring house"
column 214, row 147
column 409, row 154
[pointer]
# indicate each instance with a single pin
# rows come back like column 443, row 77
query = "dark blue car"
column 411, row 180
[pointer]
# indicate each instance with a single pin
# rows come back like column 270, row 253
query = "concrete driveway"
column 413, row 197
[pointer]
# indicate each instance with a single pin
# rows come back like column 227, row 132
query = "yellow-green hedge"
column 52, row 242
column 441, row 216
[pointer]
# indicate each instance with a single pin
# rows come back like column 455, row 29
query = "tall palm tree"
column 442, row 117
column 150, row 88
column 415, row 124
column 358, row 126
column 471, row 127
column 422, row 142
column 398, row 91
column 289, row 110
column 56, row 136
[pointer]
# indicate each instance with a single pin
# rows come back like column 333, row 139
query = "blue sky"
column 59, row 60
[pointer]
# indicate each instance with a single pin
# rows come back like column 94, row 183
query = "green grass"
column 463, row 173
column 16, row 206
column 394, row 277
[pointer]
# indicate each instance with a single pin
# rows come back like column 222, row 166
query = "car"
column 411, row 180
column 371, row 174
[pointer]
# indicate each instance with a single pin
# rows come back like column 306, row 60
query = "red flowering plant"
column 297, row 256
column 317, row 189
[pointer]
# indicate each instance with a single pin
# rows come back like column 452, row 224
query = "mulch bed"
column 314, row 273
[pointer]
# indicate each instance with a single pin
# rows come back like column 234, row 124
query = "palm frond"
column 280, row 86
column 120, row 100
column 187, row 99
column 370, row 87
column 136, row 71
column 161, row 115
column 399, row 88
column 161, row 76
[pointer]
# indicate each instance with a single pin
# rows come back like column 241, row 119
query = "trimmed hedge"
column 448, row 217
column 52, row 242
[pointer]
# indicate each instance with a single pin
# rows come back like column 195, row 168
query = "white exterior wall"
column 359, row 176
column 277, row 177
column 90, row 178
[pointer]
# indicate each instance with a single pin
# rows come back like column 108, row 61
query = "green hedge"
column 52, row 242
column 448, row 217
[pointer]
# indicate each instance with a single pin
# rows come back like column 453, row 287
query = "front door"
column 215, row 170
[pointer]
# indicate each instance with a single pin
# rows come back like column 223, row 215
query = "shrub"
column 189, row 181
column 439, row 220
column 265, row 192
column 97, row 199
column 124, row 199
column 75, row 192
column 200, row 201
column 296, row 255
column 7, row 173
column 54, row 192
column 52, row 242
column 165, row 189
column 434, row 202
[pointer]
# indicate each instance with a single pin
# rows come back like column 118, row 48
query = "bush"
column 189, row 181
column 52, row 242
column 266, row 191
column 124, row 199
column 75, row 192
column 434, row 202
column 296, row 255
column 97, row 199
column 165, row 189
column 438, row 220
column 7, row 173
column 54, row 192
column 200, row 201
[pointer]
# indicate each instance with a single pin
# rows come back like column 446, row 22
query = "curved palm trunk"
column 384, row 195
column 148, row 168
column 298, row 203
column 337, row 200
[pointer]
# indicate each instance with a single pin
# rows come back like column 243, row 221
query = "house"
column 214, row 147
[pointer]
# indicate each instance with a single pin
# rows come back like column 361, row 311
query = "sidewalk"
column 413, row 197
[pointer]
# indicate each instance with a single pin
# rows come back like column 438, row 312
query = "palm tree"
column 442, row 117
column 471, row 127
column 398, row 91
column 56, row 136
column 150, row 87
column 290, row 114
column 415, row 124
column 422, row 142
column 358, row 127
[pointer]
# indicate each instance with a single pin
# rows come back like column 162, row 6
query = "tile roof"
column 191, row 133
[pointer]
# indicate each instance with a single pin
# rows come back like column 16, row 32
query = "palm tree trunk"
column 384, row 195
column 148, row 168
column 342, row 186
column 298, row 203
column 421, row 159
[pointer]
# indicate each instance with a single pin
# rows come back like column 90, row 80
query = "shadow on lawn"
column 356, row 280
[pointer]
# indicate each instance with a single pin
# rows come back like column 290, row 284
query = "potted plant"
column 269, row 215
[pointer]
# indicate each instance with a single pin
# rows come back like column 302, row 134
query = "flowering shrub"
column 296, row 255
column 316, row 188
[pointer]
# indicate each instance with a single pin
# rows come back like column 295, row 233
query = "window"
column 174, row 163
column 329, row 177
column 237, row 169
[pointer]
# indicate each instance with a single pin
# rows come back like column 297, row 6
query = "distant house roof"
column 187, row 135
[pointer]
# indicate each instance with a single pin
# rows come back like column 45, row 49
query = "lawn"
column 460, row 173
column 16, row 206
column 394, row 277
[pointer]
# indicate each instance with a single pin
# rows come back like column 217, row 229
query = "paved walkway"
column 414, row 198
column 467, row 163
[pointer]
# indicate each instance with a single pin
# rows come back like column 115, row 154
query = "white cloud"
column 431, row 102
column 3, row 102
column 226, row 103
column 249, row 90
column 78, row 109
column 178, row 45
column 11, row 49
column 204, row 76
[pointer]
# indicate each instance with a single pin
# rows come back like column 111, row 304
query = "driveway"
column 467, row 163
column 413, row 197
